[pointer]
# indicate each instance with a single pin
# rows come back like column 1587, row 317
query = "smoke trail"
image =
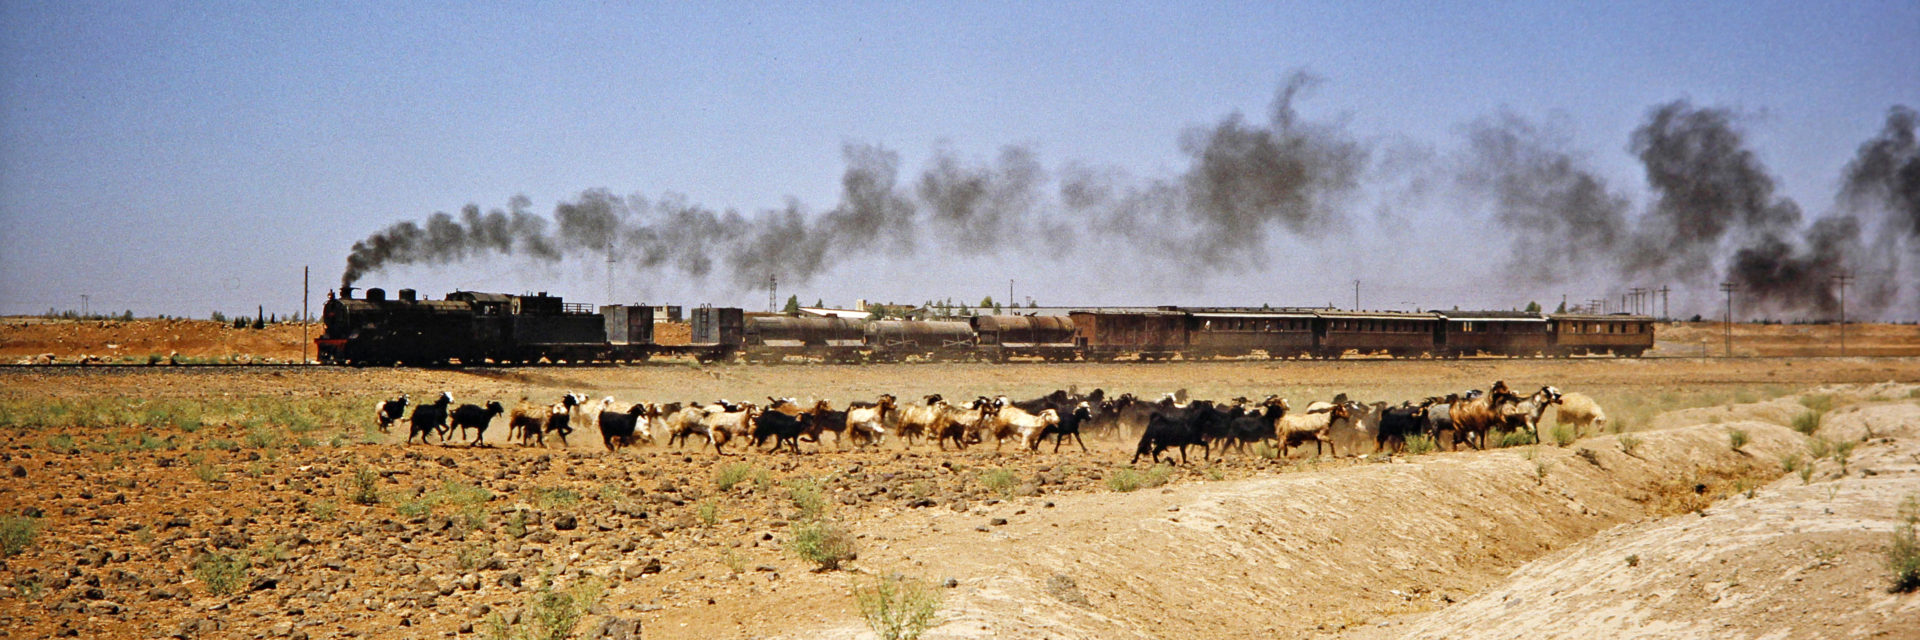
column 1563, row 218
column 982, row 207
column 1293, row 173
column 1709, row 189
column 445, row 239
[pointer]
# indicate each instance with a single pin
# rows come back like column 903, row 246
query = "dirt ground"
column 1460, row 544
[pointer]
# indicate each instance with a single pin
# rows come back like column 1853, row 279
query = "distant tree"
column 1533, row 307
column 793, row 306
column 820, row 303
column 1563, row 307
column 877, row 312
column 128, row 316
column 986, row 302
column 964, row 311
column 996, row 308
column 1031, row 304
column 217, row 317
column 1695, row 318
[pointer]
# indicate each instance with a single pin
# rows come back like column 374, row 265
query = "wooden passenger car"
column 1394, row 333
column 1499, row 333
column 1614, row 334
column 1276, row 334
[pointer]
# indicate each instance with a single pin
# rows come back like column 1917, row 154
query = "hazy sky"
column 186, row 157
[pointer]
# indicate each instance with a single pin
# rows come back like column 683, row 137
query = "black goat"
column 1175, row 426
column 782, row 427
column 476, row 417
column 616, row 427
column 1256, row 426
column 1399, row 423
column 430, row 418
column 390, row 411
column 1069, row 425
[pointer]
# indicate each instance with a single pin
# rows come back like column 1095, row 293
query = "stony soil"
column 1240, row 547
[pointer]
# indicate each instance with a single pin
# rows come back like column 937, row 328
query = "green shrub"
column 549, row 614
column 1818, row 402
column 1271, row 452
column 363, row 487
column 1807, row 422
column 897, row 607
column 1903, row 551
column 555, row 497
column 729, row 476
column 822, row 543
column 1002, row 481
column 709, row 512
column 59, row 443
column 221, row 573
column 1789, row 463
column 808, row 499
column 1737, row 438
column 1564, row 435
column 1515, row 438
column 264, row 438
column 1628, row 443
column 1819, row 448
column 17, row 534
column 1125, row 479
column 1421, row 444
column 323, row 510
column 205, row 469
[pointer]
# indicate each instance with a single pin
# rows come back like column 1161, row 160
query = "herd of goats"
column 1173, row 422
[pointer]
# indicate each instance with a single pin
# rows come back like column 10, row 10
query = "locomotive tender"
column 473, row 328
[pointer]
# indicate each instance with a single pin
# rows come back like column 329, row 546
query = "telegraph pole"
column 1729, row 288
column 771, row 285
column 1843, row 280
column 1637, row 292
column 1665, row 312
column 609, row 273
column 306, row 280
column 1356, row 295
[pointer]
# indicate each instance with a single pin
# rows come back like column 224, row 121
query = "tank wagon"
column 470, row 327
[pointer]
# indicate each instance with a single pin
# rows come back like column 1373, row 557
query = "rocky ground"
column 280, row 514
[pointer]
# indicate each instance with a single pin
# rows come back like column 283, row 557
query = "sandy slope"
column 1288, row 556
column 1798, row 560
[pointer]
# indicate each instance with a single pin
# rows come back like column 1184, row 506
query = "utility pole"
column 1637, row 299
column 1729, row 288
column 84, row 301
column 1010, row 302
column 1665, row 312
column 1843, row 280
column 306, row 281
column 609, row 273
column 771, row 285
column 1356, row 295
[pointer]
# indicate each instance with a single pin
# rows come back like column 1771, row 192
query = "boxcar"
column 1276, row 334
column 1374, row 332
column 1500, row 333
column 1151, row 335
column 1615, row 334
column 1046, row 337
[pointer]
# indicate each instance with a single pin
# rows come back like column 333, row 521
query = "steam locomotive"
column 474, row 328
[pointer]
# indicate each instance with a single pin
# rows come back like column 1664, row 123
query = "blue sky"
column 182, row 158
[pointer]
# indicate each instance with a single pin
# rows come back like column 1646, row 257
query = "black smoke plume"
column 1563, row 218
column 1244, row 179
column 1709, row 190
